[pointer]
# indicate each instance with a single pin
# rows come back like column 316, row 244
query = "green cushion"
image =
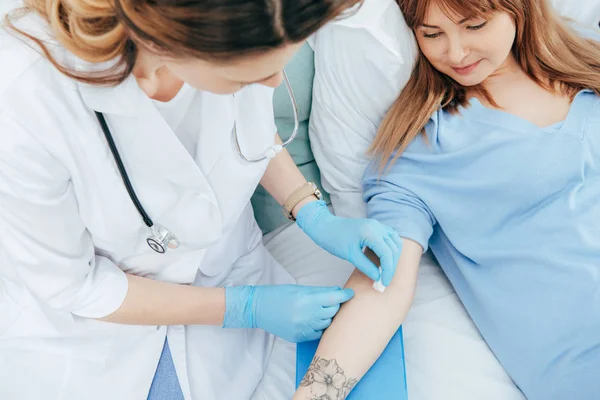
column 301, row 72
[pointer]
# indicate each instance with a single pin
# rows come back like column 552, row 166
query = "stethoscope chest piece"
column 161, row 238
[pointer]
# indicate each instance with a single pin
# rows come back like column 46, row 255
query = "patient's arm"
column 361, row 330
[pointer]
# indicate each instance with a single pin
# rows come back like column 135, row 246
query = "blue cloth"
column 386, row 378
column 512, row 213
column 165, row 385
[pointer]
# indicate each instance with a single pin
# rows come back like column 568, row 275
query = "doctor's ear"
column 147, row 64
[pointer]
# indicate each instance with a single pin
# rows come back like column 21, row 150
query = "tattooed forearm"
column 327, row 381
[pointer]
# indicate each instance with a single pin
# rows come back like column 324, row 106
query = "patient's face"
column 467, row 50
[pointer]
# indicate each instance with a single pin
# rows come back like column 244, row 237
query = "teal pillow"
column 301, row 72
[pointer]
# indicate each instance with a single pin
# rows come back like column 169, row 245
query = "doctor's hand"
column 346, row 238
column 292, row 312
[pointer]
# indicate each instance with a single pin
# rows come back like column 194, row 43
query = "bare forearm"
column 282, row 177
column 364, row 326
column 150, row 302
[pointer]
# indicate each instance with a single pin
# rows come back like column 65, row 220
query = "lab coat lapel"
column 169, row 184
column 216, row 121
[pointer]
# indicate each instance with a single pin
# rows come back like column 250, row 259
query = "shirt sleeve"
column 397, row 206
column 42, row 235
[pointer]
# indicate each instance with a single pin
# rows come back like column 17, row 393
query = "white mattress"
column 446, row 358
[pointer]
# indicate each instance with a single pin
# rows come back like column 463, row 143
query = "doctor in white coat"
column 131, row 266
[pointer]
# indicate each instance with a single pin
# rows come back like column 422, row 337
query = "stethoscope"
column 272, row 151
column 160, row 238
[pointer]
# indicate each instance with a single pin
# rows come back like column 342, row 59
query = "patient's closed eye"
column 437, row 34
column 431, row 35
column 477, row 27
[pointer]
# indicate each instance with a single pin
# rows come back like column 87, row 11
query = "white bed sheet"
column 446, row 358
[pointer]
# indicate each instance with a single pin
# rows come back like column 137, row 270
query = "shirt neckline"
column 185, row 88
column 516, row 123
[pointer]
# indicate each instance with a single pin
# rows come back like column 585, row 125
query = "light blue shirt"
column 512, row 213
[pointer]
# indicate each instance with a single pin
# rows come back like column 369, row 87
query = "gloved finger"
column 388, row 274
column 322, row 289
column 392, row 243
column 321, row 324
column 396, row 238
column 396, row 247
column 309, row 336
column 366, row 266
column 327, row 312
column 334, row 297
column 386, row 258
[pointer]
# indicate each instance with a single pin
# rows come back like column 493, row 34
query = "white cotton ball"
column 377, row 285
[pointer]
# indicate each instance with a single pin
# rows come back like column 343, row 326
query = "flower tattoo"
column 327, row 380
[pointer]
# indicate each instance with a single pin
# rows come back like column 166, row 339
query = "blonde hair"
column 99, row 31
column 90, row 30
column 547, row 50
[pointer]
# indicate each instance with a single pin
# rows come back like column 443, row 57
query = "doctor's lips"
column 467, row 69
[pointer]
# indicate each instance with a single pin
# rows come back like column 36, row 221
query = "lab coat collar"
column 124, row 99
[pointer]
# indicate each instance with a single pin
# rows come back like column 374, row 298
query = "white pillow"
column 586, row 12
column 361, row 63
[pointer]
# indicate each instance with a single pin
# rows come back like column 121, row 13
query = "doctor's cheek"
column 273, row 81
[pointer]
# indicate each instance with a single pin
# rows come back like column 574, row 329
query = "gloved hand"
column 347, row 237
column 292, row 312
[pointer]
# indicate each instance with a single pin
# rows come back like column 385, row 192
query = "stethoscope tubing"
column 122, row 171
column 292, row 97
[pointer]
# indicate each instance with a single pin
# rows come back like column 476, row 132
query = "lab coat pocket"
column 239, row 241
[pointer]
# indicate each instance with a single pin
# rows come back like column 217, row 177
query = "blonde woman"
column 490, row 157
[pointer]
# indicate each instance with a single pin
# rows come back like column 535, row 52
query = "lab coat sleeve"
column 42, row 235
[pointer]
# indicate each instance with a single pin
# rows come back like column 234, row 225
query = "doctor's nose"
column 273, row 81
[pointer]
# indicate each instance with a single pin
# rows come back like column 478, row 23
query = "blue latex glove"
column 292, row 312
column 347, row 237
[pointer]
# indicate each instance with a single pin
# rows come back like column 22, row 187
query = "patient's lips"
column 467, row 69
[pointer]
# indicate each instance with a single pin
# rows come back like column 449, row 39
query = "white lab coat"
column 69, row 233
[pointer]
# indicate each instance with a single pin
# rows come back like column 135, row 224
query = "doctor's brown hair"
column 215, row 30
column 551, row 53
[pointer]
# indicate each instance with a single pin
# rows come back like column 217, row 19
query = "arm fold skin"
column 361, row 330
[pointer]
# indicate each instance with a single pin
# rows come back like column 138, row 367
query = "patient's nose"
column 457, row 51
